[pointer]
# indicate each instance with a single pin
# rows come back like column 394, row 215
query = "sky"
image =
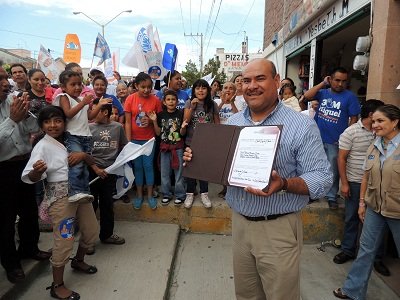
column 223, row 23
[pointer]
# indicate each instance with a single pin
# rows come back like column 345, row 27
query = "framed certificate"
column 233, row 155
column 254, row 156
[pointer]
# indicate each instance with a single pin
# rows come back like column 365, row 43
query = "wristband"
column 285, row 185
column 361, row 204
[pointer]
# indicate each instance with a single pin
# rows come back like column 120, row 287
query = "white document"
column 254, row 156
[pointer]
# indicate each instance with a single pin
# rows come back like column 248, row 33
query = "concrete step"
column 320, row 223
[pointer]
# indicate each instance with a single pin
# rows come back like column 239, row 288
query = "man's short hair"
column 93, row 72
column 18, row 65
column 370, row 106
column 273, row 69
column 339, row 70
column 104, row 107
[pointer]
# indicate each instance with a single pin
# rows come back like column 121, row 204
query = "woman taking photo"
column 379, row 205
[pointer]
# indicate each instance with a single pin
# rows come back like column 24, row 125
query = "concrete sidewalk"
column 139, row 269
column 160, row 262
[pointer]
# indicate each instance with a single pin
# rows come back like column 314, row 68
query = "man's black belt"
column 266, row 218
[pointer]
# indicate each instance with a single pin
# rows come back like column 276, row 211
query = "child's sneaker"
column 166, row 200
column 206, row 201
column 189, row 200
column 137, row 203
column 153, row 203
column 178, row 201
column 114, row 239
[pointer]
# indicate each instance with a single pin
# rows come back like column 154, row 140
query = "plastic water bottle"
column 139, row 117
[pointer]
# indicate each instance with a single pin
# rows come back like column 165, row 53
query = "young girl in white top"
column 289, row 98
column 77, row 136
column 49, row 160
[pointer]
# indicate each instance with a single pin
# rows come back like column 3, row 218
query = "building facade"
column 308, row 38
column 233, row 63
column 17, row 56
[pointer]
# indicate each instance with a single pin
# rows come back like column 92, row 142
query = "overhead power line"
column 209, row 19
column 198, row 24
column 233, row 33
column 190, row 14
column 244, row 22
column 215, row 22
column 52, row 38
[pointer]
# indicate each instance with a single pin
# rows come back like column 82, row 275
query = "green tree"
column 212, row 66
column 191, row 73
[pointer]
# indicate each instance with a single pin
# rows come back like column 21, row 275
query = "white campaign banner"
column 123, row 168
column 47, row 64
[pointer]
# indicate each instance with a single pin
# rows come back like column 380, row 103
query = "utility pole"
column 201, row 47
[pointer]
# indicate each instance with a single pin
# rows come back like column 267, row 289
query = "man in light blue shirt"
column 267, row 229
column 17, row 198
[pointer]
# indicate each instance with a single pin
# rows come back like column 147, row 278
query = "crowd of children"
column 83, row 131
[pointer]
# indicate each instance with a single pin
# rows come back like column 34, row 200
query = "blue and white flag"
column 123, row 166
column 169, row 58
column 209, row 78
column 101, row 49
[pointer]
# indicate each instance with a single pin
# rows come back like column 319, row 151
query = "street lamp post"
column 101, row 25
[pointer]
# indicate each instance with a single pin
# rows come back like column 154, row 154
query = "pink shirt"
column 85, row 91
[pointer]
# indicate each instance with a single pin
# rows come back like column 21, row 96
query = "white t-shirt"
column 79, row 124
column 225, row 111
column 54, row 154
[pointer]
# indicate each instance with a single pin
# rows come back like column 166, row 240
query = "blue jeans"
column 165, row 162
column 143, row 167
column 356, row 283
column 331, row 151
column 352, row 223
column 78, row 175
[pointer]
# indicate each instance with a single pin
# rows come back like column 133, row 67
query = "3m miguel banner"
column 72, row 48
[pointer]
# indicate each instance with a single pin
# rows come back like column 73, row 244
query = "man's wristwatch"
column 285, row 185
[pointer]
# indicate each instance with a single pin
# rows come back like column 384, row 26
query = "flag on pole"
column 101, row 49
column 123, row 167
column 169, row 58
column 209, row 78
column 115, row 60
column 146, row 53
column 47, row 64
column 157, row 42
